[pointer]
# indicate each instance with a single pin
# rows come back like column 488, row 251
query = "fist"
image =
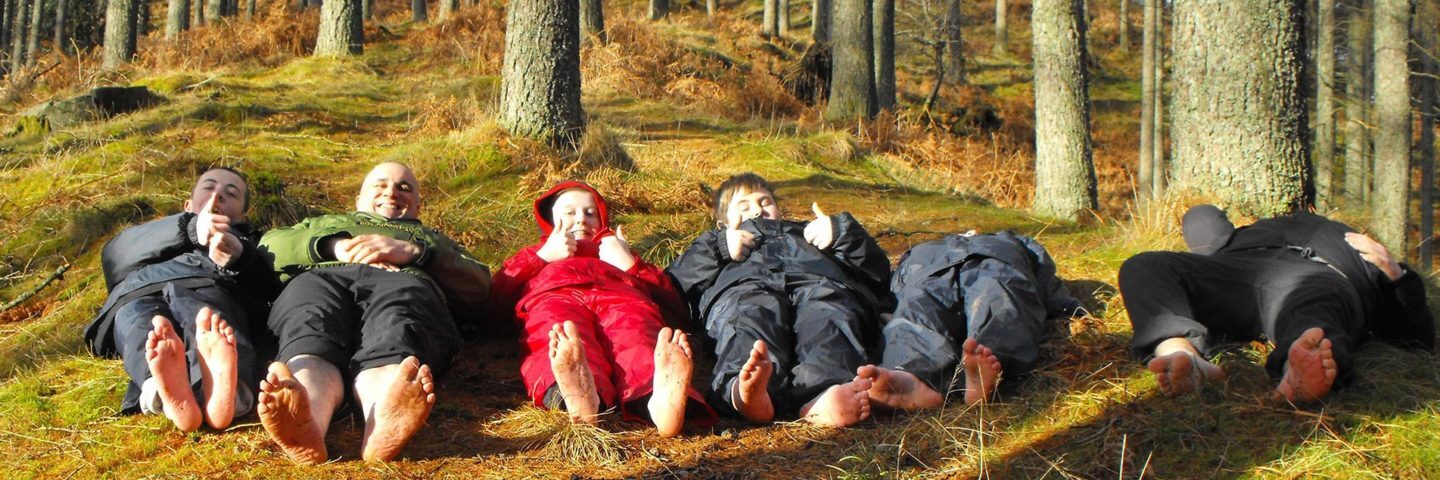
column 819, row 232
column 739, row 243
column 224, row 247
column 560, row 244
column 615, row 250
column 209, row 223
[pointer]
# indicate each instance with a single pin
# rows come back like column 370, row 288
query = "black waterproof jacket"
column 1023, row 253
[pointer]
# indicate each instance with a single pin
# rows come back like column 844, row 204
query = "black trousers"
column 181, row 306
column 1273, row 294
column 814, row 330
column 998, row 305
column 359, row 317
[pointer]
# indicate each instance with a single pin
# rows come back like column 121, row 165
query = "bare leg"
column 672, row 379
column 898, row 389
column 750, row 397
column 296, row 408
column 396, row 400
column 982, row 371
column 215, row 342
column 165, row 352
column 572, row 373
column 840, row 405
column 1179, row 369
column 1310, row 369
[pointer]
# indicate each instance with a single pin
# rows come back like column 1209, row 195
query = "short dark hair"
column 748, row 181
column 244, row 206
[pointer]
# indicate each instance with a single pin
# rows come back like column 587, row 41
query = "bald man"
column 371, row 297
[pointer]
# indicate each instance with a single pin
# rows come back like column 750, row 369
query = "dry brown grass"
column 557, row 437
column 277, row 34
column 473, row 38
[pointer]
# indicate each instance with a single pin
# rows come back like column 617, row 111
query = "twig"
column 197, row 85
column 59, row 273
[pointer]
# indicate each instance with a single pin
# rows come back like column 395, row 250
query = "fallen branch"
column 59, row 273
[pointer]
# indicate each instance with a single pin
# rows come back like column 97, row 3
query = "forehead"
column 745, row 194
column 392, row 173
column 221, row 178
column 574, row 196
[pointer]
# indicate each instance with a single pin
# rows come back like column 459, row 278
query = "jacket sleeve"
column 857, row 250
column 663, row 292
column 465, row 281
column 1404, row 318
column 253, row 271
column 698, row 268
column 1058, row 300
column 297, row 246
column 145, row 244
column 510, row 281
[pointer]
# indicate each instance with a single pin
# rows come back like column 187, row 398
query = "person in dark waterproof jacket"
column 1312, row 286
column 791, row 306
column 981, row 301
column 184, row 293
column 370, row 306
column 593, row 317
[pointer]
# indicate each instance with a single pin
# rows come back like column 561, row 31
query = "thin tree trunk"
column 540, row 77
column 367, row 10
column 1240, row 122
column 782, row 17
column 821, row 15
column 177, row 18
column 710, row 9
column 1158, row 165
column 7, row 11
column 884, row 45
column 61, row 43
column 1427, row 33
column 592, row 20
column 342, row 31
column 142, row 19
column 769, row 19
column 1124, row 25
column 1064, row 172
column 852, row 69
column 939, row 53
column 1324, row 104
column 417, row 11
column 119, row 33
column 1357, row 103
column 953, row 47
column 214, row 9
column 448, row 8
column 658, row 10
column 17, row 34
column 1391, row 194
column 1001, row 35
column 249, row 10
column 1144, row 170
column 32, row 47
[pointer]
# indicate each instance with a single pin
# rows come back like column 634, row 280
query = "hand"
column 739, row 243
column 375, row 249
column 819, row 232
column 561, row 243
column 224, row 247
column 209, row 223
column 615, row 250
column 1375, row 253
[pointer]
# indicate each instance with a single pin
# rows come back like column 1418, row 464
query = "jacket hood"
column 547, row 200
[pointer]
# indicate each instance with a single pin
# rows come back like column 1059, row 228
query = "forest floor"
column 672, row 106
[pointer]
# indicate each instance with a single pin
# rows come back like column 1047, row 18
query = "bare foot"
column 672, row 379
column 572, row 373
column 284, row 409
column 165, row 353
column 215, row 342
column 400, row 413
column 1310, row 369
column 751, row 398
column 1180, row 373
column 982, row 371
column 899, row 390
column 840, row 405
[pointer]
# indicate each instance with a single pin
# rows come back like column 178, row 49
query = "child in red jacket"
column 593, row 318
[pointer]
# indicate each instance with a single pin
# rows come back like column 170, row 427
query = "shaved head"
column 391, row 191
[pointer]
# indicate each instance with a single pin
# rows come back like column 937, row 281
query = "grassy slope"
column 309, row 128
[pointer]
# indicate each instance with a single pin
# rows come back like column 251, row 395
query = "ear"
column 186, row 206
column 719, row 224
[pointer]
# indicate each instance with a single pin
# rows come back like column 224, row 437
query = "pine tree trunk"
column 61, row 42
column 1001, row 35
column 417, row 11
column 710, row 9
column 1125, row 25
column 1239, row 116
column 884, row 45
column 142, row 18
column 852, row 69
column 782, row 17
column 1158, row 165
column 249, row 10
column 448, row 8
column 1427, row 36
column 18, row 31
column 953, row 47
column 214, row 9
column 177, row 18
column 1064, row 174
column 1144, row 167
column 119, row 33
column 32, row 47
column 592, row 19
column 1357, row 104
column 7, row 10
column 658, row 10
column 821, row 15
column 342, row 30
column 1324, row 104
column 540, row 78
column 1391, row 195
column 367, row 10
column 769, row 20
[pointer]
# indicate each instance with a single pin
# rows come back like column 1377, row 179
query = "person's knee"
column 1145, row 267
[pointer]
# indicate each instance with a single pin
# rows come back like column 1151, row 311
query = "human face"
column 229, row 190
column 746, row 204
column 580, row 208
column 390, row 191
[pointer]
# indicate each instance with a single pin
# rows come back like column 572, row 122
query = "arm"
column 298, row 246
column 465, row 281
column 146, row 244
column 663, row 292
column 1058, row 300
column 1404, row 318
column 510, row 281
column 857, row 250
column 697, row 269
column 252, row 269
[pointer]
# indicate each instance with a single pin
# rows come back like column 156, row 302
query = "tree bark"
column 342, row 31
column 710, row 9
column 119, row 33
column 1357, row 105
column 1144, row 167
column 249, row 10
column 448, row 8
column 782, row 17
column 1238, row 108
column 592, row 19
column 1001, row 35
column 61, row 43
column 1391, row 194
column 367, row 10
column 417, row 11
column 658, row 10
column 142, row 18
column 1158, row 166
column 32, row 47
column 18, row 32
column 852, row 70
column 540, row 78
column 1324, row 104
column 1124, row 25
column 884, row 45
column 214, row 9
column 821, row 16
column 7, row 10
column 177, row 18
column 1427, row 35
column 1064, row 172
column 954, row 47
column 770, row 19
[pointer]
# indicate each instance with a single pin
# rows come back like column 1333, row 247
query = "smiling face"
column 390, row 191
column 231, row 189
column 579, row 206
column 746, row 204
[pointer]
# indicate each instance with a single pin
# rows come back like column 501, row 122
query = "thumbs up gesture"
column 615, row 250
column 561, row 243
column 820, row 232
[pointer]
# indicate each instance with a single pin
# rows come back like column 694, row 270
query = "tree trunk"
column 1158, row 165
column 177, row 18
column 249, row 10
column 214, row 9
column 852, row 69
column 592, row 19
column 540, row 78
column 1427, row 37
column 884, row 46
column 61, row 43
column 1144, row 167
column 367, row 10
column 1001, row 36
column 1391, row 194
column 32, row 47
column 1239, row 116
column 710, row 9
column 417, row 11
column 448, row 8
column 7, row 9
column 197, row 12
column 658, row 10
column 770, row 20
column 1357, row 111
column 953, row 47
column 18, row 26
column 119, row 33
column 142, row 18
column 1125, row 25
column 821, row 16
column 782, row 18
column 1324, row 104
column 342, row 31
column 1064, row 174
